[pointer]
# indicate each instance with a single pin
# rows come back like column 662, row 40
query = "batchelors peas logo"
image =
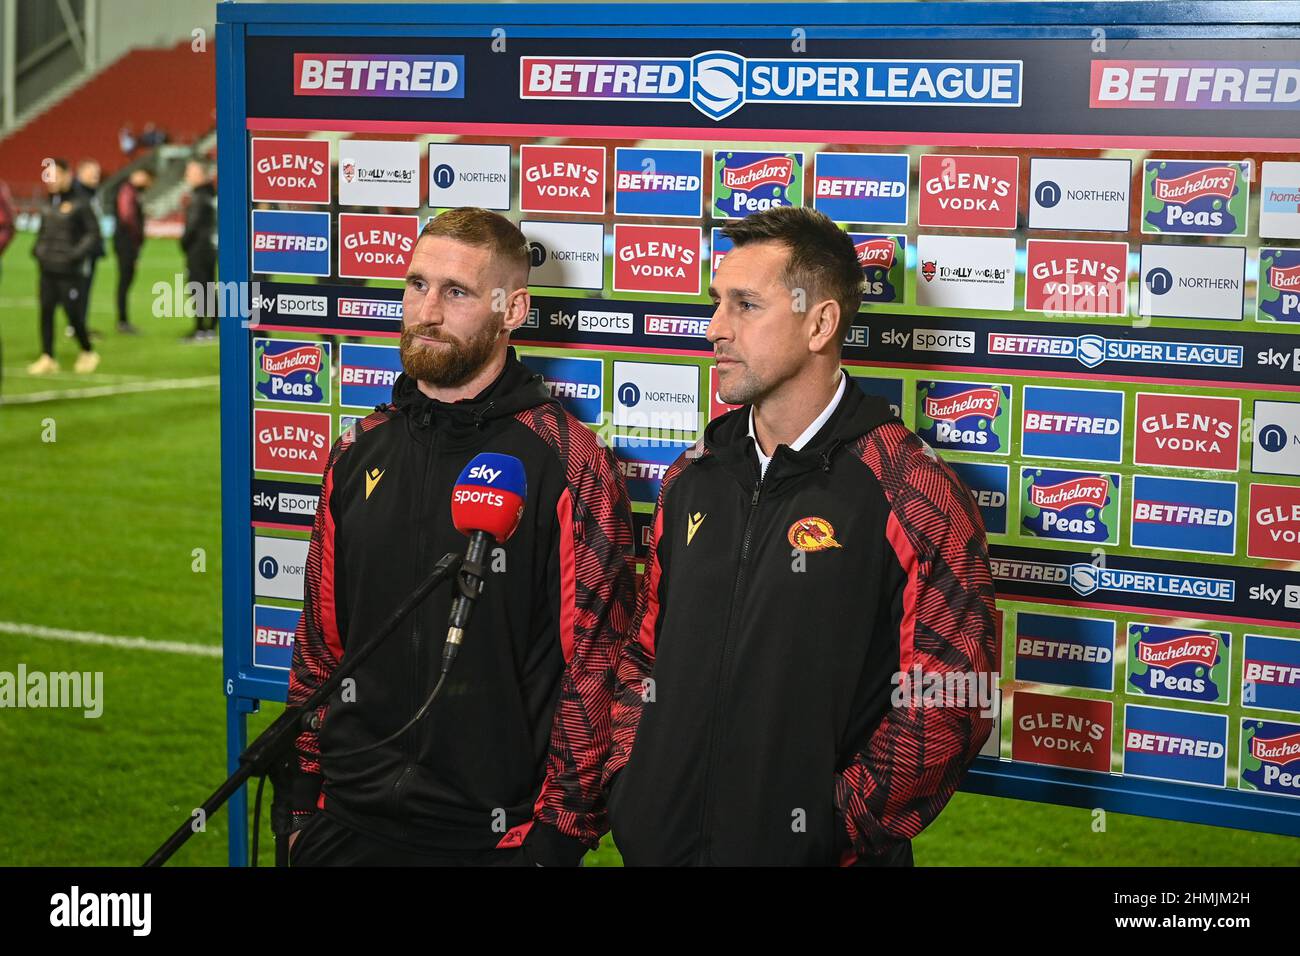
column 812, row 534
column 1195, row 198
column 1270, row 756
column 1279, row 285
column 755, row 182
column 1177, row 663
column 1070, row 505
column 883, row 260
column 287, row 371
column 962, row 416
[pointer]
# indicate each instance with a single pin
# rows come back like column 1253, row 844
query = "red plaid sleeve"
column 914, row 759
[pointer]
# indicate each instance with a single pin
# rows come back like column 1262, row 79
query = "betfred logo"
column 975, row 191
column 1175, row 745
column 290, row 443
column 291, row 243
column 350, row 74
column 576, row 382
column 1270, row 675
column 1274, row 523
column 1187, row 431
column 657, row 259
column 643, row 462
column 861, row 187
column 388, row 309
column 376, row 247
column 291, row 170
column 562, row 179
column 1076, row 424
column 367, row 374
column 1067, row 651
column 658, row 182
column 1063, row 276
column 1061, row 731
column 1184, row 514
column 273, row 631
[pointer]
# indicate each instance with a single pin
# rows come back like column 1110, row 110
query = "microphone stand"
column 272, row 752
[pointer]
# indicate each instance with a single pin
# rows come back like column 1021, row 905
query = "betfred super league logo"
column 1195, row 197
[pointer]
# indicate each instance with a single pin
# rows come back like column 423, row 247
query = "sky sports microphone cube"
column 489, row 496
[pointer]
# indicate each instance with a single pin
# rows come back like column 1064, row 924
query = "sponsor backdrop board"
column 1082, row 288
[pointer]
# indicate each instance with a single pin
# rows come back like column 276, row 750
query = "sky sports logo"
column 1092, row 350
column 424, row 76
column 719, row 82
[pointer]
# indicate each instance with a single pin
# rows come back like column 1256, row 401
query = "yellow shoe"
column 43, row 366
column 87, row 362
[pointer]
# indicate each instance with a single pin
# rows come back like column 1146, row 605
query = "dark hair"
column 822, row 259
column 481, row 227
column 62, row 165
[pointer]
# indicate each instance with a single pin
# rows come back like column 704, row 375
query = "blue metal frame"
column 244, row 688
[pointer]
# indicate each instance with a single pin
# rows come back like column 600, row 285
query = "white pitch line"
column 103, row 391
column 108, row 640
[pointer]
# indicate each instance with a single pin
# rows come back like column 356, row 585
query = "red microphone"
column 486, row 504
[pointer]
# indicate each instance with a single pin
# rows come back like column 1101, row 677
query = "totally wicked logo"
column 563, row 179
column 963, row 416
column 289, row 371
column 969, row 191
column 657, row 259
column 883, row 259
column 1187, row 431
column 1270, row 757
column 1279, row 285
column 1195, row 198
column 1076, row 278
column 376, row 247
column 1069, row 505
column 1178, row 663
column 291, row 170
column 752, row 182
column 719, row 82
column 1061, row 731
column 1274, row 522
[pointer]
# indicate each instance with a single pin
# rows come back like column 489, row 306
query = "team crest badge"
column 813, row 534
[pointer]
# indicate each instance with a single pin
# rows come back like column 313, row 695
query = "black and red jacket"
column 753, row 723
column 514, row 746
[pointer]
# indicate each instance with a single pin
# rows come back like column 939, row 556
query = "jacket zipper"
column 725, row 654
column 409, row 738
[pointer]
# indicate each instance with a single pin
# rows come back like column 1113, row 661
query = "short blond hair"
column 482, row 227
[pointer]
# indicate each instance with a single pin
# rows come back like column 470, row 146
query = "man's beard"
column 449, row 365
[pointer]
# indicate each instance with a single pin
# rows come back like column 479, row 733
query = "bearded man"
column 505, row 768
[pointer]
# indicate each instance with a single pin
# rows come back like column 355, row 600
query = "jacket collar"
column 728, row 441
column 516, row 388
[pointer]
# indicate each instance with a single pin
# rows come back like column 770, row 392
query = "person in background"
column 128, row 238
column 66, row 238
column 86, row 185
column 199, row 243
column 7, row 217
column 126, row 141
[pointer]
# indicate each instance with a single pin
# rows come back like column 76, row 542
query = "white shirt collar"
column 808, row 433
